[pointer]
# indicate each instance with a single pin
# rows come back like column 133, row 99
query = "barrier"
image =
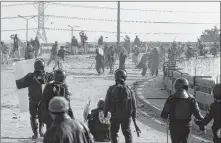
column 200, row 86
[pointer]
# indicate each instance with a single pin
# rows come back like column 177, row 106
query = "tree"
column 210, row 35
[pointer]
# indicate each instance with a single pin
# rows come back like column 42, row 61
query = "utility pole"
column 26, row 25
column 118, row 23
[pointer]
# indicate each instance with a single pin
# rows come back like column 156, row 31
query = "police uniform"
column 34, row 83
column 119, row 116
column 55, row 88
column 64, row 129
column 213, row 112
column 179, row 107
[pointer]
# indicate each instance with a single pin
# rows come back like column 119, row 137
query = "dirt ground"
column 84, row 83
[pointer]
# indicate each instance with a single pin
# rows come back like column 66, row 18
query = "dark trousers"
column 144, row 71
column 179, row 134
column 35, row 112
column 125, row 127
column 215, row 138
column 99, row 66
column 122, row 65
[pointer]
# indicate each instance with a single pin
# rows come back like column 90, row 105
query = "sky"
column 190, row 32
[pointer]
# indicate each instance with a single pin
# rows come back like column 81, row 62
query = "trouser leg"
column 115, row 126
column 33, row 118
column 125, row 126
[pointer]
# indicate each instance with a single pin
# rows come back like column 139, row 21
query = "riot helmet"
column 59, row 75
column 121, row 75
column 216, row 91
column 181, row 84
column 39, row 65
column 58, row 104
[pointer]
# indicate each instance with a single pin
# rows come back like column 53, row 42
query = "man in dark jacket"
column 98, row 125
column 179, row 107
column 213, row 113
column 37, row 46
column 29, row 51
column 74, row 46
column 137, row 41
column 99, row 62
column 111, row 58
column 122, row 57
column 58, row 87
column 64, row 129
column 121, row 103
column 100, row 41
column 54, row 52
column 34, row 83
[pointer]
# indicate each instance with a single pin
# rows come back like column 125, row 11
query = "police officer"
column 121, row 103
column 58, row 87
column 34, row 83
column 98, row 125
column 213, row 113
column 179, row 107
column 64, row 129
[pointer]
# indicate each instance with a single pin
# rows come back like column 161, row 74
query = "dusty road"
column 83, row 83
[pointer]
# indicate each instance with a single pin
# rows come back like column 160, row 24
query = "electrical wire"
column 109, row 20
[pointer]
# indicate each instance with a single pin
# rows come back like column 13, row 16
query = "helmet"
column 100, row 104
column 59, row 75
column 120, row 74
column 216, row 91
column 180, row 84
column 58, row 104
column 39, row 65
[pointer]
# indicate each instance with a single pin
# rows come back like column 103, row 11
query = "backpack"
column 181, row 109
column 58, row 89
column 121, row 99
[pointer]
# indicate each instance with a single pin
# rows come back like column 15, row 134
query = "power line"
column 112, row 8
column 10, row 5
column 95, row 31
column 109, row 20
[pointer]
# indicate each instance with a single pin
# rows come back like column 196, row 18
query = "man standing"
column 179, row 107
column 74, row 46
column 100, row 41
column 34, row 83
column 37, row 47
column 29, row 51
column 5, row 52
column 121, row 103
column 54, row 51
column 99, row 62
column 137, row 41
column 111, row 58
column 84, row 38
column 15, row 47
column 122, row 57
